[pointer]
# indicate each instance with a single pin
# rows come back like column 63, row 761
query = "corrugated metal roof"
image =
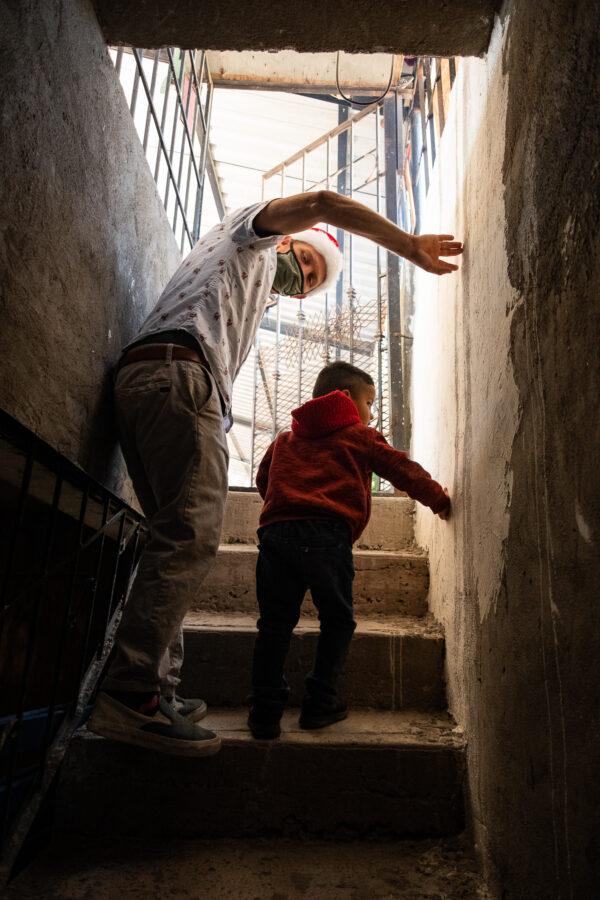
column 252, row 131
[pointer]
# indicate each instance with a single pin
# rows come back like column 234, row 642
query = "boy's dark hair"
column 340, row 376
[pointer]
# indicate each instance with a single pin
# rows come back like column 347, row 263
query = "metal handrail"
column 334, row 132
column 80, row 595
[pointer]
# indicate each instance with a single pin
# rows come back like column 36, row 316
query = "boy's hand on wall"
column 445, row 513
column 427, row 249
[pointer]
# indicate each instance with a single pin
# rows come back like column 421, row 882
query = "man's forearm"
column 301, row 211
column 289, row 215
column 342, row 212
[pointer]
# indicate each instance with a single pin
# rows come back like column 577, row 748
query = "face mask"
column 288, row 277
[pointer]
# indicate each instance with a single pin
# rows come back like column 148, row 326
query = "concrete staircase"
column 394, row 768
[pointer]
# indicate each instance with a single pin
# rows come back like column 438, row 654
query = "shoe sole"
column 148, row 741
column 323, row 722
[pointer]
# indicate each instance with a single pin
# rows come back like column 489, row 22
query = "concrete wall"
column 505, row 392
column 432, row 27
column 85, row 246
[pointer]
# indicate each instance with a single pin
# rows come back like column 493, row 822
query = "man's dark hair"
column 340, row 376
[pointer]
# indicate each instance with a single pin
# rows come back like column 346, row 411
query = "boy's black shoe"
column 316, row 714
column 264, row 721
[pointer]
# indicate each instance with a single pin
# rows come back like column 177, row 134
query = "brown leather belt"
column 159, row 351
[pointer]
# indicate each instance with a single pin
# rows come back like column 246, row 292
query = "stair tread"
column 105, row 868
column 382, row 497
column 408, row 552
column 363, row 727
column 425, row 627
column 392, row 774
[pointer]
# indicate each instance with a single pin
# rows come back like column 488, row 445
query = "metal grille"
column 68, row 548
column 349, row 324
column 172, row 117
column 286, row 369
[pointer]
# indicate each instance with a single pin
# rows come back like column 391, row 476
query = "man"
column 173, row 394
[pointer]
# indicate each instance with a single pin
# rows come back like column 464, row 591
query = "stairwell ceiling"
column 430, row 27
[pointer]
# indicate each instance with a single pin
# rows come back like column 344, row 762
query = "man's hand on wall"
column 427, row 249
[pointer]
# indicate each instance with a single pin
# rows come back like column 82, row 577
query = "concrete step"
column 396, row 663
column 376, row 774
column 74, row 868
column 387, row 582
column 390, row 528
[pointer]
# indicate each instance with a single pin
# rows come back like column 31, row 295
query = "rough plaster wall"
column 464, row 396
column 85, row 246
column 506, row 383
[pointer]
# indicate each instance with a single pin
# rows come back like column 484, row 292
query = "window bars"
column 68, row 548
column 172, row 118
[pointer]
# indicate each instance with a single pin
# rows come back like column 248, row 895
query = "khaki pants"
column 171, row 431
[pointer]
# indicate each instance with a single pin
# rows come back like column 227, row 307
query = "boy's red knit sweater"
column 323, row 467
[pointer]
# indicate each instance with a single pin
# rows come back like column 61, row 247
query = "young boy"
column 315, row 481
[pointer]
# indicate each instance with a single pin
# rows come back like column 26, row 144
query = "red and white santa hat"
column 325, row 244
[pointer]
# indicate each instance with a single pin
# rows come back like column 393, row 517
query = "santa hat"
column 325, row 244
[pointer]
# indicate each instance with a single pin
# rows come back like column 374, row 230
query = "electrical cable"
column 361, row 102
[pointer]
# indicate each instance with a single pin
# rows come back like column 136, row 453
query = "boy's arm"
column 406, row 474
column 262, row 474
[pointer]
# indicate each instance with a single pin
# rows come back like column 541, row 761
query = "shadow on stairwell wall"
column 85, row 244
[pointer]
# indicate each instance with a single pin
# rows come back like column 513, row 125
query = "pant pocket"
column 199, row 385
column 141, row 378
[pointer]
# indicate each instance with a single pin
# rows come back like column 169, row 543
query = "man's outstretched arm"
column 290, row 214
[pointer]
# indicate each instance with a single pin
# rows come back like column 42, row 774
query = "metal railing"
column 172, row 117
column 383, row 157
column 349, row 323
column 68, row 549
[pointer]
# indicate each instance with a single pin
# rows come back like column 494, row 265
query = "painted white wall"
column 464, row 399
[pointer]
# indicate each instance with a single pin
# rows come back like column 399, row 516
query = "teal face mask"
column 288, row 277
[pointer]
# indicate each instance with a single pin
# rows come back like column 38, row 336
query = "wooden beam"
column 445, row 88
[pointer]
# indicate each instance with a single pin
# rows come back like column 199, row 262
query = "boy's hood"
column 323, row 415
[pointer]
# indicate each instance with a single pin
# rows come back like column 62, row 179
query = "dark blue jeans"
column 293, row 557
